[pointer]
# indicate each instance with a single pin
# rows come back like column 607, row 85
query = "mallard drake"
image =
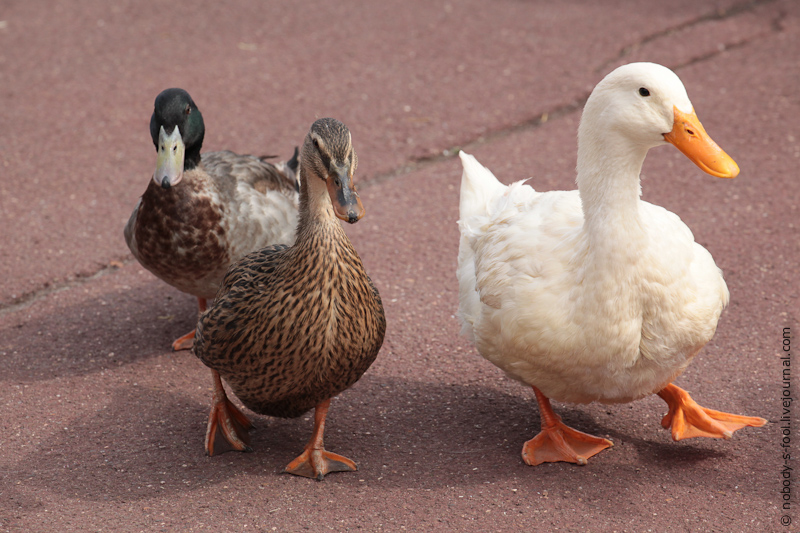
column 594, row 294
column 201, row 213
column 291, row 327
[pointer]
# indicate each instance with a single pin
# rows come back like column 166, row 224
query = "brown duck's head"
column 328, row 155
column 177, row 130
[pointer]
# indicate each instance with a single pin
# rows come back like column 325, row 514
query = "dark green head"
column 178, row 150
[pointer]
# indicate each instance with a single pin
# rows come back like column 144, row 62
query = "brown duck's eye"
column 643, row 91
column 316, row 142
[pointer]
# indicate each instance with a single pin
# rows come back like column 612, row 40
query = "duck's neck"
column 317, row 219
column 608, row 181
column 191, row 158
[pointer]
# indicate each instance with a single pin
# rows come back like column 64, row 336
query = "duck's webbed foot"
column 559, row 442
column 686, row 419
column 184, row 343
column 187, row 341
column 315, row 462
column 227, row 426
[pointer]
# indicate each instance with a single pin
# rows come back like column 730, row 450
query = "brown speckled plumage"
column 291, row 327
column 183, row 234
column 294, row 326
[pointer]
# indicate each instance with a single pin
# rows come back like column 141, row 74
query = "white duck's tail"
column 479, row 188
column 480, row 192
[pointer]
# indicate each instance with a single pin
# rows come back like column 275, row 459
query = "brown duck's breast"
column 179, row 237
column 305, row 341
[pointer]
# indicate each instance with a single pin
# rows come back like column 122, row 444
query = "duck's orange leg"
column 227, row 426
column 559, row 442
column 315, row 461
column 686, row 419
column 187, row 341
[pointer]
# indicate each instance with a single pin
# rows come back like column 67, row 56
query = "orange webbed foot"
column 187, row 341
column 559, row 442
column 315, row 462
column 687, row 419
column 227, row 426
column 562, row 443
column 184, row 343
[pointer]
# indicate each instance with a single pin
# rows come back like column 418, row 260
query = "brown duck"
column 291, row 327
column 201, row 213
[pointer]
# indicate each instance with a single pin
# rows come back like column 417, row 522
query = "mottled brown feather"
column 178, row 233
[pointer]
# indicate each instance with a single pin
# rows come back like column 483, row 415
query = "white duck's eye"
column 643, row 91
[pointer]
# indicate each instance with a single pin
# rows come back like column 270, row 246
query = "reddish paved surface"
column 102, row 427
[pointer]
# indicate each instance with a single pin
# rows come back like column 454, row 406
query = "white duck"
column 596, row 295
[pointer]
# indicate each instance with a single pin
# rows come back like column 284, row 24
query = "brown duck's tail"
column 287, row 167
column 294, row 162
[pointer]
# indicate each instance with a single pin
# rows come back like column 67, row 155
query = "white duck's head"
column 639, row 106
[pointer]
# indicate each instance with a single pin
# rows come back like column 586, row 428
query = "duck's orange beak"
column 689, row 136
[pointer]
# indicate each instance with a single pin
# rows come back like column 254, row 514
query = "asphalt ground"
column 102, row 425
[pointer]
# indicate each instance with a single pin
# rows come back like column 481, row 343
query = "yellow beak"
column 689, row 136
column 169, row 163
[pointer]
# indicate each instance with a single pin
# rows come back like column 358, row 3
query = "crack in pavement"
column 29, row 298
column 720, row 14
column 537, row 121
column 561, row 110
